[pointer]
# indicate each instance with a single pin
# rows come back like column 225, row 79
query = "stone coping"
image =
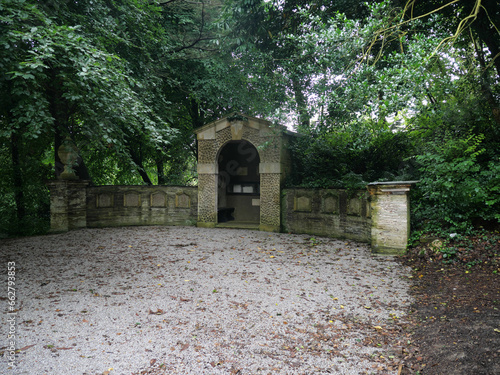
column 142, row 186
column 393, row 183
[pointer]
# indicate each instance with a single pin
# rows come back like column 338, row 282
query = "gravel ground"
column 186, row 300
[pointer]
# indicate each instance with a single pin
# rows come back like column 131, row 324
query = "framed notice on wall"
column 244, row 188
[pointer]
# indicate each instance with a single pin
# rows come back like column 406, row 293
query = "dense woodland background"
column 381, row 90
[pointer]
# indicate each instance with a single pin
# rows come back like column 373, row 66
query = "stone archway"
column 241, row 131
column 238, row 196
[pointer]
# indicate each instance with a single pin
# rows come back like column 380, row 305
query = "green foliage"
column 379, row 91
column 350, row 158
column 455, row 189
column 390, row 107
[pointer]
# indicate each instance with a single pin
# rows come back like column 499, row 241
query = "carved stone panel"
column 354, row 206
column 330, row 204
column 158, row 199
column 303, row 204
column 104, row 200
column 131, row 200
column 182, row 201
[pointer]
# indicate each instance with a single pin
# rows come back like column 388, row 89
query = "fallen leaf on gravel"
column 184, row 347
column 497, row 330
column 377, row 327
column 157, row 312
column 26, row 347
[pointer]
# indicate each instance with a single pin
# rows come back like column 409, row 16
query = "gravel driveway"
column 186, row 300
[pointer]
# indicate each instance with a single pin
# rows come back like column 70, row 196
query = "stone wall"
column 74, row 204
column 141, row 205
column 327, row 212
column 379, row 216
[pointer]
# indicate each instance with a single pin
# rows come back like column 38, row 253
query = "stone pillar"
column 68, row 205
column 207, row 195
column 270, row 197
column 68, row 194
column 390, row 212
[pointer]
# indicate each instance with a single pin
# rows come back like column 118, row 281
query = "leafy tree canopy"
column 384, row 89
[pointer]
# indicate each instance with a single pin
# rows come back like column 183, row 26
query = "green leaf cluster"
column 456, row 189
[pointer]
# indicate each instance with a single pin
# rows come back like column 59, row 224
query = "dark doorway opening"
column 239, row 183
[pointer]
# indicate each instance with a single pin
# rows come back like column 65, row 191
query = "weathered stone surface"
column 390, row 205
column 254, row 136
column 182, row 200
column 68, row 154
column 330, row 204
column 132, row 199
column 302, row 204
column 68, row 205
column 380, row 217
column 326, row 212
column 141, row 205
column 158, row 199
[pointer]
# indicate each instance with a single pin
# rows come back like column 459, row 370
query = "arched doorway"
column 242, row 162
column 238, row 193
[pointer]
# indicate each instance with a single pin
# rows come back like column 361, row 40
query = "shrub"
column 455, row 189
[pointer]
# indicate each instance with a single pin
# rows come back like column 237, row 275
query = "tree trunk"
column 58, row 109
column 137, row 159
column 485, row 84
column 160, row 169
column 301, row 100
column 196, row 114
column 17, row 178
column 62, row 113
column 486, row 33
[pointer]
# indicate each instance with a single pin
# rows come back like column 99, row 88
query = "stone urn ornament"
column 68, row 153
